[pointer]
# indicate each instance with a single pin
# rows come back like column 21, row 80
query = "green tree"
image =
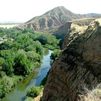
column 22, row 64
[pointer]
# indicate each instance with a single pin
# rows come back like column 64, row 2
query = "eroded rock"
column 77, row 69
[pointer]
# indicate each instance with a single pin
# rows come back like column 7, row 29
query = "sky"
column 23, row 10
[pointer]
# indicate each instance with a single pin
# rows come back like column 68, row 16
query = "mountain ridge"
column 55, row 18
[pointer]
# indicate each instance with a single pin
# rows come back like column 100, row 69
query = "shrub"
column 6, row 84
column 55, row 54
column 34, row 91
column 22, row 64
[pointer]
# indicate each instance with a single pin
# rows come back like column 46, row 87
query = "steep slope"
column 54, row 18
column 75, row 24
column 77, row 69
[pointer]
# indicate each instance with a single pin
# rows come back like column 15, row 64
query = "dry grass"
column 78, row 28
column 99, row 20
column 38, row 98
column 94, row 95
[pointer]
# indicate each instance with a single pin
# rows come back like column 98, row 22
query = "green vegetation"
column 34, row 91
column 55, row 54
column 7, row 83
column 21, row 51
column 29, row 99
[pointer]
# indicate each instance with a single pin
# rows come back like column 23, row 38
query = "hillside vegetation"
column 21, row 51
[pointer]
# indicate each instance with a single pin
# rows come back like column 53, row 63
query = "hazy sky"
column 23, row 10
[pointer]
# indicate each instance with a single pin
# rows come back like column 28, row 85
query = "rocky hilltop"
column 78, row 68
column 78, row 24
column 54, row 19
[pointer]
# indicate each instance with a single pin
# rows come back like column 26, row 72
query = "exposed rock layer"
column 77, row 68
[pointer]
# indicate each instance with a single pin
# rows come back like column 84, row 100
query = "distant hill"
column 55, row 18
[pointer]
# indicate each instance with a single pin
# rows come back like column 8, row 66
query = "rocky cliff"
column 76, row 26
column 78, row 68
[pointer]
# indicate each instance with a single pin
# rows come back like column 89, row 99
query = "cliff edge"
column 78, row 68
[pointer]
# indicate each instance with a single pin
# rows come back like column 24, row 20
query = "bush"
column 22, row 64
column 1, row 62
column 55, row 54
column 6, row 84
column 28, row 99
column 8, row 57
column 34, row 91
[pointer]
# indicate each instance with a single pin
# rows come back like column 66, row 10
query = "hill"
column 54, row 19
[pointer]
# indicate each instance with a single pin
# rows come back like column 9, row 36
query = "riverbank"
column 19, row 93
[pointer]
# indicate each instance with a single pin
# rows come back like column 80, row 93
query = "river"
column 19, row 93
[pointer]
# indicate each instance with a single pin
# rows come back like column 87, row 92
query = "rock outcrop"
column 72, row 27
column 78, row 67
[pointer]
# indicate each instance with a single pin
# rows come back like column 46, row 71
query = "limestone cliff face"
column 76, row 28
column 77, row 68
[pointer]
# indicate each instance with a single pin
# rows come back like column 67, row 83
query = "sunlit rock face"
column 78, row 67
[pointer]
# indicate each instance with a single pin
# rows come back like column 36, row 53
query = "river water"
column 19, row 93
